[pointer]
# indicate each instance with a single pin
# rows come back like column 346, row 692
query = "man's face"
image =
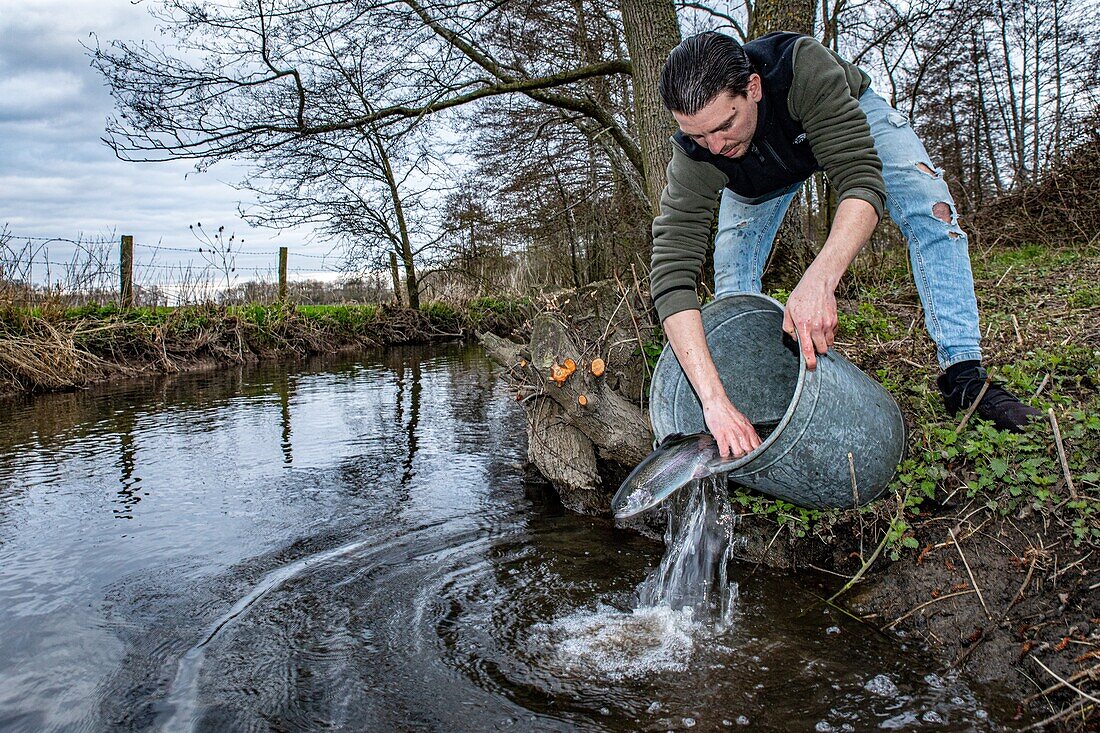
column 726, row 124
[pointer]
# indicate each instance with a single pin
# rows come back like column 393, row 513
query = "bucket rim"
column 799, row 388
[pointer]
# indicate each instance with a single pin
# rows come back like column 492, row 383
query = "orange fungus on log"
column 558, row 374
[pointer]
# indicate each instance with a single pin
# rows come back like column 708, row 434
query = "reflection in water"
column 407, row 371
column 378, row 565
column 283, row 386
column 128, row 494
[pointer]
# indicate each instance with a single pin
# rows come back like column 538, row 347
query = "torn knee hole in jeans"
column 741, row 224
column 942, row 211
column 927, row 170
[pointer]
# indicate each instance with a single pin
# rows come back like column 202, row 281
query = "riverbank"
column 56, row 348
column 988, row 551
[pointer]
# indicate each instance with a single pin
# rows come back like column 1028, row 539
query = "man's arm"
column 811, row 309
column 823, row 99
column 731, row 430
column 681, row 234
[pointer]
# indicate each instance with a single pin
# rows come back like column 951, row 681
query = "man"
column 755, row 122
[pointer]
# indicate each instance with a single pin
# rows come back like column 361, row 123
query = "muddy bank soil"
column 1007, row 601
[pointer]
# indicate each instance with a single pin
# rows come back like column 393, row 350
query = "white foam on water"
column 613, row 645
column 904, row 721
column 687, row 598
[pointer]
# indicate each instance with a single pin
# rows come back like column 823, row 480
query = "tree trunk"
column 983, row 113
column 652, row 31
column 565, row 457
column 1057, row 84
column 1037, row 85
column 796, row 16
column 793, row 250
column 404, row 245
column 395, row 275
column 586, row 428
column 1016, row 133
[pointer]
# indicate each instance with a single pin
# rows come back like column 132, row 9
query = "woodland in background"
column 507, row 148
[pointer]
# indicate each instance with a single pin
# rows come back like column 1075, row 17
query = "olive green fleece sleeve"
column 681, row 232
column 824, row 98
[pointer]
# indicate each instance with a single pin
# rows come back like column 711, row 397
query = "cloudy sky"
column 58, row 179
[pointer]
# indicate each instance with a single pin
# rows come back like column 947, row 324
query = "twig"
column 974, row 404
column 1003, row 277
column 1042, row 724
column 1068, row 684
column 1016, row 327
column 769, row 546
column 970, row 573
column 870, row 561
column 859, row 573
column 1062, row 453
column 1078, row 561
column 826, row 570
column 1023, row 586
column 909, row 613
column 1041, row 385
column 1004, row 614
column 615, row 312
column 1055, row 687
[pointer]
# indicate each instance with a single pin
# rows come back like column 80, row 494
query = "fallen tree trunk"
column 583, row 380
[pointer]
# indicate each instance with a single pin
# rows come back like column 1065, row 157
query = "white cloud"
column 57, row 177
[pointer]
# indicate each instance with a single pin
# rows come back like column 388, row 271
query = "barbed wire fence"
column 100, row 270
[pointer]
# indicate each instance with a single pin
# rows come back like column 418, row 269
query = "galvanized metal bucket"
column 834, row 436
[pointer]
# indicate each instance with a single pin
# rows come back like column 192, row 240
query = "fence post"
column 282, row 273
column 126, row 272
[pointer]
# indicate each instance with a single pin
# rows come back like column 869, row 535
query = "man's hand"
column 810, row 316
column 811, row 310
column 732, row 431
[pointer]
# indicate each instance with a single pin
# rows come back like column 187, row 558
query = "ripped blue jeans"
column 919, row 203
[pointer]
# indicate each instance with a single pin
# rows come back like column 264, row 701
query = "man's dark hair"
column 700, row 68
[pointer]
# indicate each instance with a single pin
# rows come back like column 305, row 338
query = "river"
column 354, row 544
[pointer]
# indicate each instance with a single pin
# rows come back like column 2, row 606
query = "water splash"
column 689, row 596
column 699, row 542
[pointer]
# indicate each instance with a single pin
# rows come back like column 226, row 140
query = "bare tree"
column 369, row 191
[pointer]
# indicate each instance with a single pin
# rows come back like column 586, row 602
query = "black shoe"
column 960, row 387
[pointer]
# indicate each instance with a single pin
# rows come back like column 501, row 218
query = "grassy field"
column 1042, row 341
